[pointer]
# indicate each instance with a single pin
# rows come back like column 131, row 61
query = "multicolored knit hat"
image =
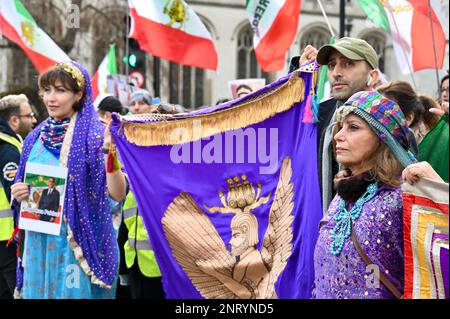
column 385, row 118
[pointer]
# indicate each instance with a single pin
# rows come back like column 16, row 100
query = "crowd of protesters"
column 372, row 136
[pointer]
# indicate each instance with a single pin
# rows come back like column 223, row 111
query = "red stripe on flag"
column 408, row 201
column 40, row 62
column 173, row 44
column 422, row 38
column 271, row 51
column 94, row 82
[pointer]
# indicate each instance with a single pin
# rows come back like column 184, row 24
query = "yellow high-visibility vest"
column 138, row 245
column 6, row 214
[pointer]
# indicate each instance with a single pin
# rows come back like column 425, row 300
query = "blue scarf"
column 53, row 133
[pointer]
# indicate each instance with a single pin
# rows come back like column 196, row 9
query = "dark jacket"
column 49, row 201
column 9, row 158
column 325, row 113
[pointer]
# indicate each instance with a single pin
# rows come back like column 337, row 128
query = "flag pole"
column 127, row 49
column 342, row 19
column 326, row 18
column 401, row 44
column 434, row 45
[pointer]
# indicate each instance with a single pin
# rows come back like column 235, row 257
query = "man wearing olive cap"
column 352, row 67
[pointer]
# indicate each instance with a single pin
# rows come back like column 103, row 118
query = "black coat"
column 325, row 113
column 9, row 159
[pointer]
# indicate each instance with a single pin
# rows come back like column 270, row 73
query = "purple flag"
column 229, row 194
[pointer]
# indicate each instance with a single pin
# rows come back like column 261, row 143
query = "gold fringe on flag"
column 168, row 130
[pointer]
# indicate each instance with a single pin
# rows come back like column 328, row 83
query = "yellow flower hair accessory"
column 74, row 72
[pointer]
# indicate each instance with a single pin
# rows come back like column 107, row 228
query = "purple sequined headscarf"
column 86, row 204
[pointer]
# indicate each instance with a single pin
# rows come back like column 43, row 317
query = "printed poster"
column 241, row 87
column 44, row 209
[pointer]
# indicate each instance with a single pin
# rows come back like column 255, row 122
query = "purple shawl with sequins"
column 86, row 204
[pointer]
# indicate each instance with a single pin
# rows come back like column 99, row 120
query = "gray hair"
column 142, row 96
column 10, row 105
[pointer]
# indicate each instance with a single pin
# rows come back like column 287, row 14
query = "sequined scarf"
column 86, row 203
column 52, row 134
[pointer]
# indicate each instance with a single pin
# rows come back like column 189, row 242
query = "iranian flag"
column 18, row 25
column 274, row 24
column 415, row 36
column 171, row 30
column 108, row 66
column 323, row 85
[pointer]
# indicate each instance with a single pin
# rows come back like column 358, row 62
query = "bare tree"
column 68, row 41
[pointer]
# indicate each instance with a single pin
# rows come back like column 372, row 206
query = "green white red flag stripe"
column 274, row 24
column 18, row 25
column 108, row 66
column 411, row 31
column 186, row 42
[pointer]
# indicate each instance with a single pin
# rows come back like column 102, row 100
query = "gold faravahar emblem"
column 245, row 272
column 176, row 10
column 27, row 32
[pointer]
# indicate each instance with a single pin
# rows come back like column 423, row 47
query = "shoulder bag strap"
column 384, row 279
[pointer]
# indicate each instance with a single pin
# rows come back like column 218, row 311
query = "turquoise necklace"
column 344, row 218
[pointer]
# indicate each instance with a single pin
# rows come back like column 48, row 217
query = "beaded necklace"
column 52, row 134
column 344, row 218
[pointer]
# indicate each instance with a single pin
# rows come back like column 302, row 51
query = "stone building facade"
column 104, row 21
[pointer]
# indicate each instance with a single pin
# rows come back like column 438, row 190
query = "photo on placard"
column 242, row 87
column 43, row 210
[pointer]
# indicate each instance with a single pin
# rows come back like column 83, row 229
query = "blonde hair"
column 386, row 168
column 12, row 101
column 10, row 105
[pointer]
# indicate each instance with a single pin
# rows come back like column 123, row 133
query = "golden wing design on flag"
column 277, row 244
column 197, row 245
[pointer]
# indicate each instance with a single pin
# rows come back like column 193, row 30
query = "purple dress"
column 379, row 229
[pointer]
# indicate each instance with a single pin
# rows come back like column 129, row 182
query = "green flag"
column 112, row 64
column 108, row 66
column 323, row 86
column 434, row 148
column 375, row 11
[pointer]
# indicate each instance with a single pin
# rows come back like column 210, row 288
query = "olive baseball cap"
column 351, row 48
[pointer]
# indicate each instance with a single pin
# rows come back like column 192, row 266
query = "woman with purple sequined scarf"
column 359, row 252
column 82, row 262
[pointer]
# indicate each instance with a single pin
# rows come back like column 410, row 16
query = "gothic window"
column 247, row 66
column 378, row 41
column 317, row 37
column 186, row 85
column 109, row 28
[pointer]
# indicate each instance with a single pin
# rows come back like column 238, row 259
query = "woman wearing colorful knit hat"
column 82, row 261
column 359, row 252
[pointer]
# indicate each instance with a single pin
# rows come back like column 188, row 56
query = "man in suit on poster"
column 49, row 199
